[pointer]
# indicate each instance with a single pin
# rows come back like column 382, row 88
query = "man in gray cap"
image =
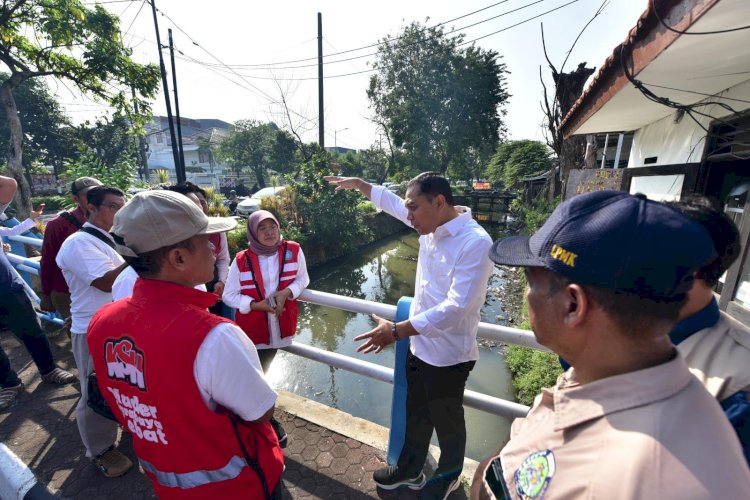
column 55, row 293
column 187, row 384
column 607, row 275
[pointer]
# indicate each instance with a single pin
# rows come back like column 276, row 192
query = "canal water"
column 383, row 272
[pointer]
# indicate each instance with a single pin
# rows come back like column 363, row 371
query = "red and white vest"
column 255, row 323
column 144, row 349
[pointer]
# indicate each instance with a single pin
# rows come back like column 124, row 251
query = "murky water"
column 382, row 273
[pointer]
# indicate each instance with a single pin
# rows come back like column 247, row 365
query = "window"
column 659, row 187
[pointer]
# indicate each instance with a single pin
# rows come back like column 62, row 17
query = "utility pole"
column 141, row 145
column 181, row 176
column 175, row 154
column 321, row 121
column 335, row 141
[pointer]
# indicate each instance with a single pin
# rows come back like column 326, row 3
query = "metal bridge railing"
column 484, row 402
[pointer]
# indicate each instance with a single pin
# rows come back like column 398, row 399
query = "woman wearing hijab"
column 263, row 284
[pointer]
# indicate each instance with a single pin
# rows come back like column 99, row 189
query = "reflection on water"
column 381, row 273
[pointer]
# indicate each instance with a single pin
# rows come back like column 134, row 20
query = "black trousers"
column 434, row 400
column 18, row 315
column 266, row 357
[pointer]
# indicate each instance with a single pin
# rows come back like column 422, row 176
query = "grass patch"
column 531, row 370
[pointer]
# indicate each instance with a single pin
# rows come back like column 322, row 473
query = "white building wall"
column 685, row 141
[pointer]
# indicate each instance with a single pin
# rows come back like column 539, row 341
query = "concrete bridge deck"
column 331, row 455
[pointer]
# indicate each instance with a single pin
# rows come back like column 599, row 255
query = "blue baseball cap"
column 614, row 240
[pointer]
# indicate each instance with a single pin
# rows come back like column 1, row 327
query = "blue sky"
column 247, row 35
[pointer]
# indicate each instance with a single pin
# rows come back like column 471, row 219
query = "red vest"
column 144, row 349
column 255, row 323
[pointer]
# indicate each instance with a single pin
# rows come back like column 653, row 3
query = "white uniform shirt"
column 269, row 268
column 122, row 287
column 450, row 287
column 84, row 258
column 228, row 373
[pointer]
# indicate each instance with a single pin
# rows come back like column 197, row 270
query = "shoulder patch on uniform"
column 534, row 475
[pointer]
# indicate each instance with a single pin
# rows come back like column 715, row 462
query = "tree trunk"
column 15, row 145
column 259, row 177
column 589, row 159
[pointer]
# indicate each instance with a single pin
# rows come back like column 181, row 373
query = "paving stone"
column 355, row 456
column 309, row 454
column 325, row 443
column 323, row 459
column 312, row 438
column 340, row 450
column 339, row 466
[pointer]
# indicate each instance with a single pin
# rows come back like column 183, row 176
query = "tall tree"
column 567, row 88
column 437, row 100
column 45, row 125
column 207, row 146
column 110, row 139
column 67, row 40
column 515, row 160
column 258, row 146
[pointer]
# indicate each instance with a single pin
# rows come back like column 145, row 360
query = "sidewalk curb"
column 17, row 481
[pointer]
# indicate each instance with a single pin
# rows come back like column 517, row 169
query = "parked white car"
column 252, row 204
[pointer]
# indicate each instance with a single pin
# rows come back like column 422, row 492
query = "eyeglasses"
column 112, row 206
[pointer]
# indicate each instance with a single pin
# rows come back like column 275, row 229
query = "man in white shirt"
column 451, row 283
column 90, row 264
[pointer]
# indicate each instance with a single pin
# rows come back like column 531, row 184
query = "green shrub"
column 311, row 213
column 532, row 217
column 237, row 239
column 532, row 371
column 119, row 175
column 53, row 203
column 366, row 207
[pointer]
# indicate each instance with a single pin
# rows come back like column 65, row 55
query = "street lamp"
column 335, row 143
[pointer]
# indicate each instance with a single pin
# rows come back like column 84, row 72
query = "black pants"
column 17, row 314
column 266, row 357
column 434, row 400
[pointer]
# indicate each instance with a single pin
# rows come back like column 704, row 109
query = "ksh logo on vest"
column 124, row 362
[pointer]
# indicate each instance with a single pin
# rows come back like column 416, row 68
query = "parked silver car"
column 250, row 205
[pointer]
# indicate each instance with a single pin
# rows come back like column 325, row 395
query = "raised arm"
column 350, row 183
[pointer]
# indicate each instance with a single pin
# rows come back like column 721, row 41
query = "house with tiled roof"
column 671, row 108
column 199, row 141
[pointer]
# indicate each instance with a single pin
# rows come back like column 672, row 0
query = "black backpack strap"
column 70, row 218
column 252, row 463
column 97, row 234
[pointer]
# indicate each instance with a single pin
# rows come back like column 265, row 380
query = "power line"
column 257, row 90
column 370, row 70
column 681, row 32
column 366, row 46
column 520, row 23
column 257, row 67
column 697, row 93
column 143, row 3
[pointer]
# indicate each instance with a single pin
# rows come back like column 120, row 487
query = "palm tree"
column 205, row 146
